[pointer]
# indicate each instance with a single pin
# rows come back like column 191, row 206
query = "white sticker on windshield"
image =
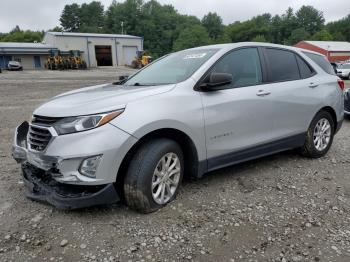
column 195, row 56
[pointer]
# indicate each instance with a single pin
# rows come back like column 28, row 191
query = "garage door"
column 129, row 53
column 103, row 55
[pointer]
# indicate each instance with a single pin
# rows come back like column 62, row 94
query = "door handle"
column 313, row 85
column 263, row 93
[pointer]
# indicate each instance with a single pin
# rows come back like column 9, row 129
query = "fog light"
column 89, row 166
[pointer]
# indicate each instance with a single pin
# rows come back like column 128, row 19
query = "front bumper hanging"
column 42, row 187
column 38, row 171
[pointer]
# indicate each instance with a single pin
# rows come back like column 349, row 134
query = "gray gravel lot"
column 278, row 208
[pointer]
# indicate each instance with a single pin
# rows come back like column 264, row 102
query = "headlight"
column 82, row 123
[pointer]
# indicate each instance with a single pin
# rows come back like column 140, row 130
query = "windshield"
column 172, row 69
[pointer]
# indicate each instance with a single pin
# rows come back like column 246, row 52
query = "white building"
column 96, row 49
column 30, row 55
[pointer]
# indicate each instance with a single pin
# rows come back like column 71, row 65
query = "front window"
column 172, row 69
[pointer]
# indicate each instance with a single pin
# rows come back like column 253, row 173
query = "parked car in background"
column 343, row 71
column 335, row 66
column 185, row 114
column 347, row 103
column 14, row 66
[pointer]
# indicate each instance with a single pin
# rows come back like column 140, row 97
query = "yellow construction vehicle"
column 142, row 59
column 54, row 61
column 75, row 60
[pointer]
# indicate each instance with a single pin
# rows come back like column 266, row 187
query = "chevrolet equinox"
column 186, row 114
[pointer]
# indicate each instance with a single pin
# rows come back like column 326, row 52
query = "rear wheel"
column 154, row 175
column 319, row 136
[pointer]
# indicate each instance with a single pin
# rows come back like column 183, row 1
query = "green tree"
column 259, row 38
column 16, row 29
column 310, row 19
column 322, row 35
column 158, row 27
column 213, row 23
column 92, row 17
column 192, row 36
column 22, row 36
column 298, row 35
column 124, row 17
column 340, row 29
column 71, row 18
column 56, row 29
column 288, row 24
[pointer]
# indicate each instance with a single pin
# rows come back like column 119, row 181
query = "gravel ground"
column 278, row 208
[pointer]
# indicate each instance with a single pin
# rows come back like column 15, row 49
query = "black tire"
column 309, row 149
column 138, row 180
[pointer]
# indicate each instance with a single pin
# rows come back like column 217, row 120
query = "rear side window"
column 282, row 65
column 305, row 70
column 322, row 62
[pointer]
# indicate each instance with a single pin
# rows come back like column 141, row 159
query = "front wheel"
column 154, row 175
column 319, row 136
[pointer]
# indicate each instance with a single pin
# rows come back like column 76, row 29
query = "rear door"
column 293, row 85
column 238, row 116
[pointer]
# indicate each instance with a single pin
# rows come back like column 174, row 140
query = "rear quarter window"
column 322, row 62
column 305, row 69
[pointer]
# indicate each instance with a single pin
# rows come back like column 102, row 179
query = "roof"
column 24, row 48
column 25, row 45
column 93, row 35
column 331, row 45
column 229, row 46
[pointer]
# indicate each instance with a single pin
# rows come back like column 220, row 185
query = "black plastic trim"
column 256, row 152
column 339, row 125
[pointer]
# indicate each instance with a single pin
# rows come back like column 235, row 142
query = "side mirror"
column 215, row 80
column 121, row 80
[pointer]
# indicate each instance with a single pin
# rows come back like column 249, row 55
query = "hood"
column 97, row 99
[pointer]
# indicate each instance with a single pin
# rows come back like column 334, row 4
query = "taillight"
column 341, row 84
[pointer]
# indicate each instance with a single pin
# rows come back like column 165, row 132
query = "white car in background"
column 343, row 71
column 14, row 66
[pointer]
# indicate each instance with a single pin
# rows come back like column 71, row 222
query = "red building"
column 335, row 51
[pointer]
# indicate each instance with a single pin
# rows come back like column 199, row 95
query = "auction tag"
column 195, row 56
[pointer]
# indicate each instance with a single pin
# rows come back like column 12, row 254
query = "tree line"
column 164, row 29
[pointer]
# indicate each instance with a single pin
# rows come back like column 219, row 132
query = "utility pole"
column 122, row 24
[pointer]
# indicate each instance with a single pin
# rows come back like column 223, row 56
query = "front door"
column 237, row 117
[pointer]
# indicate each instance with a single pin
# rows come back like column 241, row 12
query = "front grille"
column 44, row 120
column 38, row 138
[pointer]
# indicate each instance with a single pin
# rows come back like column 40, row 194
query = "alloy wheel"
column 166, row 178
column 322, row 134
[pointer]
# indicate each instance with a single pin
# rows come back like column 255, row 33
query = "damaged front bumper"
column 41, row 174
column 42, row 187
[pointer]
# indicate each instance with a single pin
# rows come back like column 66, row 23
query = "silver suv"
column 185, row 114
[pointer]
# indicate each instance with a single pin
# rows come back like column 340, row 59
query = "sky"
column 45, row 14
